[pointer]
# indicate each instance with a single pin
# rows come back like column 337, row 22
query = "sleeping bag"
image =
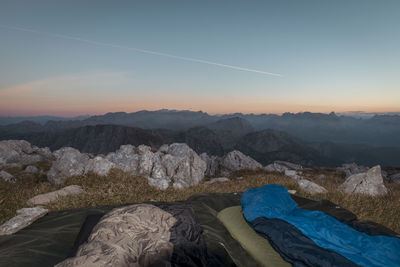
column 262, row 204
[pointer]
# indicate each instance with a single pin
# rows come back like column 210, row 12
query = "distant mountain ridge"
column 311, row 139
column 380, row 130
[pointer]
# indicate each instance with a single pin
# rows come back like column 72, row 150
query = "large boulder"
column 69, row 162
column 189, row 168
column 24, row 217
column 176, row 163
column 99, row 165
column 44, row 199
column 7, row 177
column 20, row 152
column 236, row 160
column 125, row 158
column 369, row 183
column 311, row 187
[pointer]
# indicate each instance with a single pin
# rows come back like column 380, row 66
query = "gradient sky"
column 81, row 57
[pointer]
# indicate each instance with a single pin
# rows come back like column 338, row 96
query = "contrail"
column 151, row 52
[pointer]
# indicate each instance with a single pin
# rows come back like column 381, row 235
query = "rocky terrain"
column 173, row 166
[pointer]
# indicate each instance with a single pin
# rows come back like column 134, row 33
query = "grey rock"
column 7, row 177
column 176, row 163
column 99, row 165
column 213, row 163
column 292, row 192
column 321, row 176
column 125, row 158
column 282, row 166
column 190, row 168
column 161, row 184
column 218, row 179
column 44, row 199
column 310, row 187
column 31, row 169
column 17, row 153
column 24, row 217
column 293, row 174
column 351, row 168
column 236, row 160
column 69, row 162
column 289, row 165
column 369, row 183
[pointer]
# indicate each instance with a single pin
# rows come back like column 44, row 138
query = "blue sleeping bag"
column 274, row 201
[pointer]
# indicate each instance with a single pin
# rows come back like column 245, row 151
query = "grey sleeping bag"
column 143, row 235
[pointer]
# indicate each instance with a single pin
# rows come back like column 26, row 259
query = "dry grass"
column 119, row 188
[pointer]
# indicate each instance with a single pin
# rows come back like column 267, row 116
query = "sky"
column 71, row 57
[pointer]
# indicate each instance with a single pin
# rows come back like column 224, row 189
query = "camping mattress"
column 258, row 247
column 270, row 209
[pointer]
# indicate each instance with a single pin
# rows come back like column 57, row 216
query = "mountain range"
column 310, row 139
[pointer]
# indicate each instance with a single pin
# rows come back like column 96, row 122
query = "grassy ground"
column 120, row 188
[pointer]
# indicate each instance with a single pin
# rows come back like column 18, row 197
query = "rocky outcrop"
column 310, row 187
column 44, row 199
column 99, row 165
column 176, row 164
column 235, row 161
column 7, row 177
column 282, row 166
column 69, row 162
column 20, row 152
column 369, row 183
column 24, row 217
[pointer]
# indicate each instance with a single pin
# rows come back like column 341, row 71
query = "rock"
column 190, row 168
column 352, row 168
column 310, row 187
column 176, row 163
column 292, row 192
column 99, row 165
column 212, row 162
column 321, row 176
column 69, row 162
column 44, row 199
column 161, row 184
column 7, row 177
column 394, row 178
column 17, row 153
column 236, row 160
column 218, row 179
column 31, row 169
column 125, row 158
column 369, row 183
column 24, row 217
column 292, row 174
column 282, row 166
